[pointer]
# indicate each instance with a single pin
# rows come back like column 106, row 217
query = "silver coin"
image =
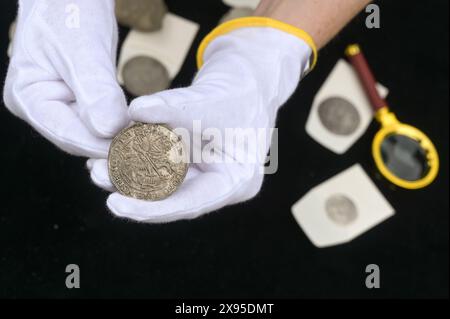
column 144, row 75
column 142, row 15
column 341, row 210
column 238, row 12
column 339, row 116
column 147, row 162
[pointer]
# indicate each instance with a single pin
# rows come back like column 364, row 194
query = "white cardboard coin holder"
column 343, row 82
column 371, row 207
column 169, row 45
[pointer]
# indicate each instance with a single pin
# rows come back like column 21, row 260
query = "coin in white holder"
column 242, row 3
column 341, row 209
column 341, row 112
column 169, row 45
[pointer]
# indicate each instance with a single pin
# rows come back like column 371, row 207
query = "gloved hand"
column 249, row 68
column 61, row 78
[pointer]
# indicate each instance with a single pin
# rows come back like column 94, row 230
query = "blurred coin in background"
column 144, row 75
column 339, row 116
column 341, row 210
column 142, row 15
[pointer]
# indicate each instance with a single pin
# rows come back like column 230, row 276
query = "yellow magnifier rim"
column 391, row 126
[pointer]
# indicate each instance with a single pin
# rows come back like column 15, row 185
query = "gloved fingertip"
column 117, row 207
column 124, row 207
column 141, row 109
column 100, row 175
column 90, row 164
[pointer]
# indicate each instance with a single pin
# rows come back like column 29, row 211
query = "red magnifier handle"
column 359, row 62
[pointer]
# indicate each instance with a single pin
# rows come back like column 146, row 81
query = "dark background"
column 51, row 215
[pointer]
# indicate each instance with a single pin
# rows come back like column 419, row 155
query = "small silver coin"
column 339, row 116
column 142, row 15
column 144, row 75
column 238, row 12
column 341, row 210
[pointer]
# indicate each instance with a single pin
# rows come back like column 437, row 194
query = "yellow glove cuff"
column 252, row 22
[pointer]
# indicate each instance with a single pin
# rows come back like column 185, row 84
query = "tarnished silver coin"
column 341, row 210
column 339, row 116
column 147, row 162
column 238, row 12
column 144, row 75
column 142, row 15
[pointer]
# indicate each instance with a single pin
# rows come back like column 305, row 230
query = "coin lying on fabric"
column 235, row 13
column 142, row 15
column 147, row 162
column 144, row 75
column 339, row 116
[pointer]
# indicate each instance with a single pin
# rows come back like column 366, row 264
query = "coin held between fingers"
column 147, row 162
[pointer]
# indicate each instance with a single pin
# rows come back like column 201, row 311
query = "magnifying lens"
column 403, row 154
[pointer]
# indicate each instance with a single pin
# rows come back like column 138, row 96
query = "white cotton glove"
column 248, row 73
column 62, row 79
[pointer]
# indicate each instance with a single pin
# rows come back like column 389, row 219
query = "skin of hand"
column 321, row 19
column 62, row 79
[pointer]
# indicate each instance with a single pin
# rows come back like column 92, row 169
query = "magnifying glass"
column 403, row 154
